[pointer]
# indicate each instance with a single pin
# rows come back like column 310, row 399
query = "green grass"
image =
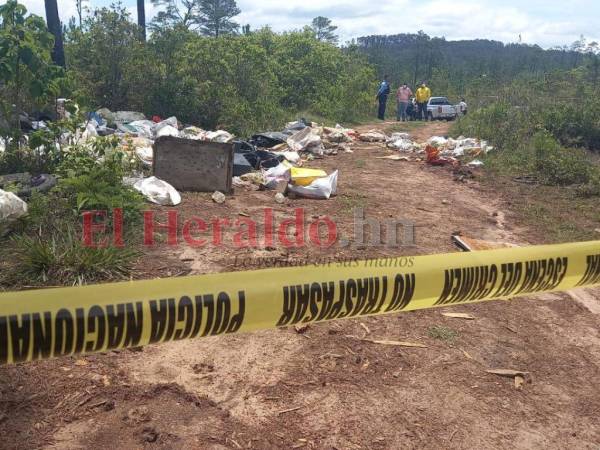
column 351, row 201
column 442, row 333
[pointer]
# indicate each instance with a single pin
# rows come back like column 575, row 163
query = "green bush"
column 558, row 165
column 63, row 259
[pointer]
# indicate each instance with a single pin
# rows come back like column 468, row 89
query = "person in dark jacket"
column 382, row 95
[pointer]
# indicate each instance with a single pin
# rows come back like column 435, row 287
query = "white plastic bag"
column 145, row 154
column 438, row 141
column 306, row 140
column 221, row 136
column 145, row 128
column 11, row 207
column 292, row 157
column 172, row 121
column 158, row 191
column 321, row 188
column 167, row 130
column 276, row 176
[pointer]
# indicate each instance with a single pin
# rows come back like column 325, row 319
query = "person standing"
column 423, row 95
column 382, row 95
column 462, row 106
column 403, row 97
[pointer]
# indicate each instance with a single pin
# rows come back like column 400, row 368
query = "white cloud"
column 537, row 21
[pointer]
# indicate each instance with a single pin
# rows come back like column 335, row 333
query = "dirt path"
column 327, row 388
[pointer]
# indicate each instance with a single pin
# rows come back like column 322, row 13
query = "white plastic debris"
column 219, row 136
column 218, row 197
column 280, row 198
column 144, row 128
column 145, row 154
column 292, row 157
column 195, row 133
column 401, row 142
column 167, row 130
column 437, row 141
column 276, row 177
column 158, row 191
column 171, row 121
column 89, row 132
column 126, row 116
column 321, row 188
column 306, row 140
column 373, row 136
column 11, row 207
column 475, row 163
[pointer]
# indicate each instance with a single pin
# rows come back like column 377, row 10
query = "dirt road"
column 327, row 387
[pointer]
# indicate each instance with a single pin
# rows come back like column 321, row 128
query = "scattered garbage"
column 218, row 197
column 277, row 178
column 434, row 158
column 321, row 188
column 373, row 136
column 475, row 163
column 167, row 130
column 221, row 136
column 23, row 184
column 401, row 142
column 303, row 177
column 306, row 141
column 11, row 208
column 468, row 244
column 280, row 198
column 158, row 191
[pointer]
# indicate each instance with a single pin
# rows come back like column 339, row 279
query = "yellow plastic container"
column 303, row 176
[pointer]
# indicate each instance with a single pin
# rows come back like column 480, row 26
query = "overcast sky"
column 544, row 22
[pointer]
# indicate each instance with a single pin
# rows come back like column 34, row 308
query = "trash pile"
column 442, row 151
column 437, row 151
column 270, row 160
column 273, row 160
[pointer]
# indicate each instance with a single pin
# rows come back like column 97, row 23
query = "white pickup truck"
column 439, row 108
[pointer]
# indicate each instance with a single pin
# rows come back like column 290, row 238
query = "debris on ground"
column 11, row 209
column 394, row 158
column 395, row 343
column 23, row 184
column 321, row 188
column 280, row 198
column 519, row 376
column 218, row 197
column 470, row 245
column 459, row 315
column 158, row 191
column 373, row 136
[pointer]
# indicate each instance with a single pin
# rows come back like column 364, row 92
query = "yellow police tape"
column 40, row 324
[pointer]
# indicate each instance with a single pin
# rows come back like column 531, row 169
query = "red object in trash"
column 156, row 119
column 434, row 158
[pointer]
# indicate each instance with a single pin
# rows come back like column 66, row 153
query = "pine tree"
column 215, row 17
column 323, row 29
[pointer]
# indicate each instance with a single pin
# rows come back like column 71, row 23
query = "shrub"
column 557, row 165
column 63, row 259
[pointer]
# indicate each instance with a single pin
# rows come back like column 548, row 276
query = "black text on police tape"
column 465, row 284
column 348, row 298
column 46, row 334
column 592, row 271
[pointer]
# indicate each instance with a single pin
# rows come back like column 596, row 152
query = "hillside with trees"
column 474, row 68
